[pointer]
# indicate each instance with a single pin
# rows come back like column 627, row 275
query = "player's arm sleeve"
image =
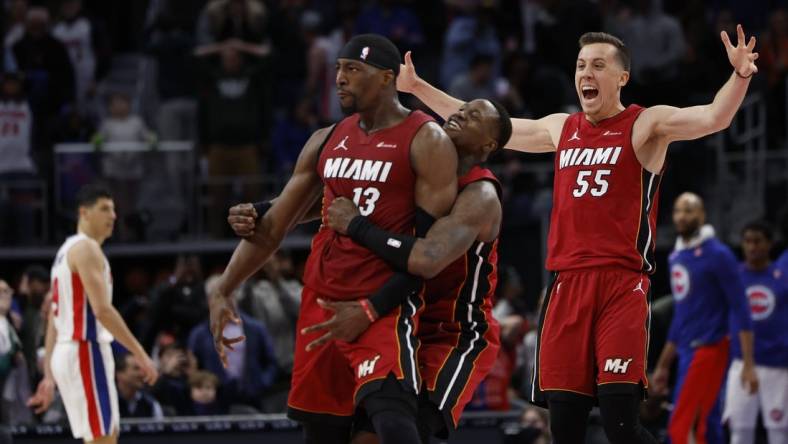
column 435, row 192
column 396, row 291
column 477, row 207
column 732, row 287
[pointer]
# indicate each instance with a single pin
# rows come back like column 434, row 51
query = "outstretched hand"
column 741, row 56
column 222, row 310
column 407, row 78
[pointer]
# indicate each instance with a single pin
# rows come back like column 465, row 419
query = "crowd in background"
column 248, row 81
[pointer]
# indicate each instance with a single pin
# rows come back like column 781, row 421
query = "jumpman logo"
column 639, row 287
column 341, row 144
column 574, row 136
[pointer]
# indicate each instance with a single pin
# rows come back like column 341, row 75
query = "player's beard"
column 350, row 109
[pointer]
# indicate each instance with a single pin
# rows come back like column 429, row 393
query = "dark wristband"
column 261, row 208
column 393, row 248
column 394, row 293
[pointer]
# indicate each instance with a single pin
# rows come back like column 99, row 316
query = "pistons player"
column 82, row 325
column 710, row 311
column 458, row 334
column 382, row 156
column 608, row 165
column 767, row 290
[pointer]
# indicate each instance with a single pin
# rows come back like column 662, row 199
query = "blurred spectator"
column 88, row 49
column 170, row 42
column 476, row 83
column 14, row 381
column 233, row 120
column 176, row 365
column 203, row 387
column 49, row 78
column 321, row 59
column 391, row 19
column 468, row 35
column 16, row 164
column 123, row 168
column 16, row 11
column 290, row 133
column 290, row 65
column 179, row 304
column 133, row 400
column 533, row 428
column 76, row 126
column 656, row 42
column 251, row 365
column 32, row 291
column 232, row 19
column 274, row 300
column 10, row 345
column 135, row 309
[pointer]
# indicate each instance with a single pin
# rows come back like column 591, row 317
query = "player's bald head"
column 691, row 200
column 688, row 214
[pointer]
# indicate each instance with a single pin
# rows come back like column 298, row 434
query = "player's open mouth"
column 452, row 123
column 589, row 92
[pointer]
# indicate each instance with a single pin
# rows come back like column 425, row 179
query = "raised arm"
column 532, row 136
column 87, row 260
column 670, row 124
column 298, row 196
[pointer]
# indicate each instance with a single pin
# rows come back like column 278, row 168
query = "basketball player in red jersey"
column 593, row 330
column 381, row 157
column 458, row 334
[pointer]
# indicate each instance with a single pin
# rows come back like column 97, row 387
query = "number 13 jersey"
column 373, row 170
column 604, row 202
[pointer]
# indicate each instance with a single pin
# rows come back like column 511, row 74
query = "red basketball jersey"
column 464, row 290
column 604, row 202
column 373, row 170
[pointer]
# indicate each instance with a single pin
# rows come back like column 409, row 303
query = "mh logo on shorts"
column 367, row 367
column 617, row 365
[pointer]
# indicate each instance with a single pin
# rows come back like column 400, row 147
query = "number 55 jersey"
column 604, row 203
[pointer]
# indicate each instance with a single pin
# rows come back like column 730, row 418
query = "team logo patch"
column 364, row 53
column 341, row 144
column 776, row 415
column 574, row 136
column 617, row 365
column 762, row 302
column 679, row 282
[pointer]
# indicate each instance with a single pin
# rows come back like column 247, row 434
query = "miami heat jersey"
column 604, row 202
column 373, row 170
column 463, row 291
column 74, row 318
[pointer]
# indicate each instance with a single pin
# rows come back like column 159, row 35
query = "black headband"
column 374, row 50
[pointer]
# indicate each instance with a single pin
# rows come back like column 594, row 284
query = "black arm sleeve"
column 261, row 208
column 393, row 248
column 401, row 285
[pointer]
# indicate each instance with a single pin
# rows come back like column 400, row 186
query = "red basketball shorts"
column 329, row 381
column 593, row 333
column 454, row 359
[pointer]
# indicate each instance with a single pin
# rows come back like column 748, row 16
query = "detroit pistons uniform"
column 459, row 337
column 374, row 170
column 767, row 292
column 593, row 327
column 710, row 309
column 82, row 362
